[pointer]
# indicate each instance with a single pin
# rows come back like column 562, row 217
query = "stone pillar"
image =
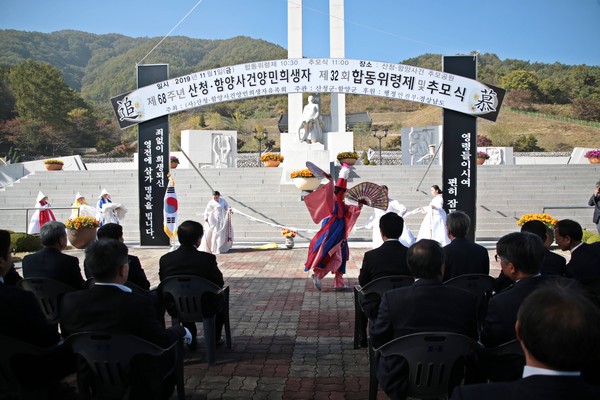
column 337, row 50
column 294, row 51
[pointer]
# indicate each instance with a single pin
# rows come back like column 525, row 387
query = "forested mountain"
column 97, row 67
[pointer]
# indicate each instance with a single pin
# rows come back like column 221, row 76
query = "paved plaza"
column 290, row 341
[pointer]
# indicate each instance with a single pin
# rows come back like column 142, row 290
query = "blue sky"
column 548, row 31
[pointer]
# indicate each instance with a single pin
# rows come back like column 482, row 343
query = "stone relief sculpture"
column 222, row 150
column 495, row 154
column 309, row 126
column 419, row 145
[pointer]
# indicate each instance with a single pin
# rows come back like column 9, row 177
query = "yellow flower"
column 545, row 218
column 271, row 157
column 302, row 173
column 288, row 233
column 82, row 222
column 347, row 154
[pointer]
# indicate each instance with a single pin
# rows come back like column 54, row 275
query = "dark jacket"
column 535, row 387
column 51, row 263
column 462, row 257
column 387, row 259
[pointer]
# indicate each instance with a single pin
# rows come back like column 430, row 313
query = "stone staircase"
column 504, row 194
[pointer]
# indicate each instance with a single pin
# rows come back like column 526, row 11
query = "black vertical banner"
column 153, row 155
column 460, row 149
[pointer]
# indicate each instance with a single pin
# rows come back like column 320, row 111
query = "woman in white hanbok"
column 218, row 232
column 108, row 212
column 41, row 215
column 434, row 224
column 407, row 238
column 81, row 208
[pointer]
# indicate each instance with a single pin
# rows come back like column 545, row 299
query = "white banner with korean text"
column 308, row 75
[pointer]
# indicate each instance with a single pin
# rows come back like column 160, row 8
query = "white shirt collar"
column 122, row 287
column 529, row 371
column 576, row 247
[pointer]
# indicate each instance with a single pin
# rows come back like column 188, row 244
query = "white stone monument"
column 209, row 149
column 333, row 136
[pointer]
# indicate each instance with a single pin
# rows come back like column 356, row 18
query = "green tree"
column 521, row 80
column 42, row 97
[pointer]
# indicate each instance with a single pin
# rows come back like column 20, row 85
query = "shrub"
column 484, row 141
column 23, row 242
column 590, row 237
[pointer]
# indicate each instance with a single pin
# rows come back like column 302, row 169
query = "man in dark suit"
column 427, row 305
column 137, row 276
column 520, row 255
column 22, row 319
column 595, row 202
column 50, row 262
column 462, row 256
column 388, row 259
column 585, row 258
column 188, row 260
column 558, row 328
column 110, row 306
column 552, row 264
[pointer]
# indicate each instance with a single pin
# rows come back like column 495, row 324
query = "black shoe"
column 221, row 341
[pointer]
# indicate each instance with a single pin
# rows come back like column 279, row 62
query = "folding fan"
column 318, row 172
column 370, row 193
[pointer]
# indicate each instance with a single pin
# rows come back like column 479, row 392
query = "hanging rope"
column 171, row 31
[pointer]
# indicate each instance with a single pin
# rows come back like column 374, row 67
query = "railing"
column 564, row 208
column 27, row 209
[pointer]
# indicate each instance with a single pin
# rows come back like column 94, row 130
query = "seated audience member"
column 110, row 306
column 585, row 258
column 22, row 319
column 462, row 256
column 137, row 275
column 50, row 262
column 427, row 305
column 552, row 264
column 12, row 277
column 558, row 328
column 188, row 260
column 520, row 255
column 388, row 259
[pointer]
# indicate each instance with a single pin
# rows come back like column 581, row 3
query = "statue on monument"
column 309, row 126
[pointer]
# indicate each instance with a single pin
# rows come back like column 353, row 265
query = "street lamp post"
column 260, row 137
column 380, row 138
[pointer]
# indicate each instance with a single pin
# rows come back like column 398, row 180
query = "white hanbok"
column 434, row 224
column 218, row 232
column 107, row 212
column 407, row 238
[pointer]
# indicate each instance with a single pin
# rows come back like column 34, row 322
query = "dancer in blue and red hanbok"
column 328, row 249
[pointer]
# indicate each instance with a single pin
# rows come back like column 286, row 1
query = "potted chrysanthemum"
column 174, row 161
column 81, row 230
column 593, row 156
column 271, row 159
column 481, row 157
column 305, row 180
column 347, row 157
column 53, row 165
